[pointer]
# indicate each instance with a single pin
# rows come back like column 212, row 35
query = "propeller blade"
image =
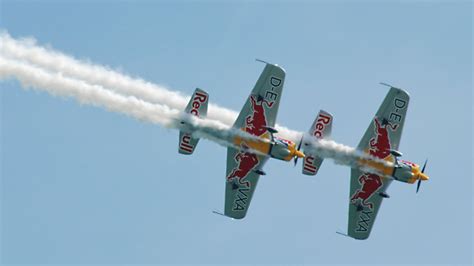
column 418, row 185
column 424, row 165
column 301, row 142
column 299, row 147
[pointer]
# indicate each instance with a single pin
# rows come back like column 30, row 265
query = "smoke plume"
column 62, row 75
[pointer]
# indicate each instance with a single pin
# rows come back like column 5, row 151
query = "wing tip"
column 271, row 64
column 234, row 217
column 200, row 90
column 398, row 90
column 352, row 236
column 221, row 214
column 326, row 113
column 342, row 234
column 356, row 236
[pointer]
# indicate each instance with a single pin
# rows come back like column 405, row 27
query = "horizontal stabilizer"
column 197, row 106
column 320, row 129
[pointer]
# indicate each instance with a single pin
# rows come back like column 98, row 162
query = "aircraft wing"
column 261, row 107
column 382, row 135
column 362, row 217
column 243, row 166
column 241, row 181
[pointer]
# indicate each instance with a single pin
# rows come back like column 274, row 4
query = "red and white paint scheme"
column 197, row 106
column 321, row 128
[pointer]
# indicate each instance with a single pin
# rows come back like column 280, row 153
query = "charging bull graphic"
column 246, row 162
column 379, row 146
column 255, row 124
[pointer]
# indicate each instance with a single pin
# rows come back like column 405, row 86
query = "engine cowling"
column 280, row 151
column 403, row 173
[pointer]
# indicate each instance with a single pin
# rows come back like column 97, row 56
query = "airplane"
column 257, row 118
column 381, row 140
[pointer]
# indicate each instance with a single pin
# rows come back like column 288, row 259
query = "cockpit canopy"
column 284, row 142
column 282, row 149
column 405, row 171
column 407, row 163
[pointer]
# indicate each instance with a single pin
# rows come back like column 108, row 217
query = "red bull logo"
column 185, row 144
column 256, row 122
column 379, row 147
column 380, row 144
column 309, row 166
column 318, row 130
column 370, row 183
column 198, row 100
column 246, row 162
column 321, row 123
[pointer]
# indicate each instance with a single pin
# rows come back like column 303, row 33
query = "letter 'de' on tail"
column 197, row 106
column 320, row 129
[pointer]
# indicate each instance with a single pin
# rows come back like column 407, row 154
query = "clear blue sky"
column 82, row 185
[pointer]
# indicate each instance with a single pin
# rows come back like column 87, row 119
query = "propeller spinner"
column 421, row 176
column 298, row 149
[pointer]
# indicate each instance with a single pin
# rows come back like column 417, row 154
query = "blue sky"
column 81, row 185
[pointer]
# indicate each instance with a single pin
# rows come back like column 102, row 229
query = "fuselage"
column 275, row 147
column 408, row 172
column 399, row 170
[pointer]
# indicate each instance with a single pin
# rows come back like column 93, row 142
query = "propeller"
column 299, row 147
column 418, row 185
column 419, row 179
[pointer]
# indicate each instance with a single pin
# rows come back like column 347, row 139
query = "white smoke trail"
column 56, row 84
column 342, row 154
column 54, row 61
column 63, row 75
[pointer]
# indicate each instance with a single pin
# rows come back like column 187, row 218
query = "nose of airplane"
column 423, row 177
column 299, row 154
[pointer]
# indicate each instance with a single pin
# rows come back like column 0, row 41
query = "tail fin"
column 321, row 128
column 197, row 106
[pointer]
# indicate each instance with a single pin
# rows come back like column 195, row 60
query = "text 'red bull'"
column 321, row 123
